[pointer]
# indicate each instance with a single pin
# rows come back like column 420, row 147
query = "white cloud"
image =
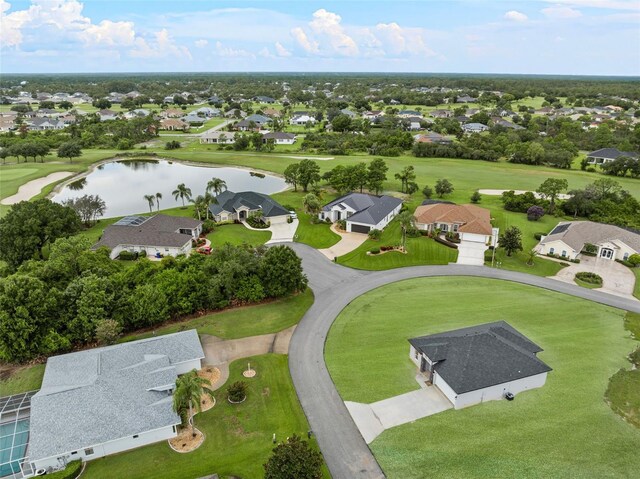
column 281, row 50
column 201, row 43
column 516, row 16
column 607, row 4
column 327, row 24
column 396, row 40
column 561, row 12
column 109, row 33
column 226, row 51
column 308, row 45
column 161, row 46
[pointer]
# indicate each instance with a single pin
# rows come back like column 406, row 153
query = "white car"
column 293, row 215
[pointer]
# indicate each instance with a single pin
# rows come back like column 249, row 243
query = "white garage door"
column 471, row 253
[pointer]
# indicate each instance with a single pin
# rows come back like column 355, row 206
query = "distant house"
column 569, row 238
column 173, row 124
column 265, row 99
column 218, row 137
column 606, row 155
column 259, row 120
column 235, row 113
column 159, row 234
column 107, row 115
column 137, row 113
column 362, row 212
column 193, row 119
column 409, row 113
column 7, row 124
column 43, row 124
column 302, row 119
column 432, row 137
column 415, row 122
column 172, row 113
column 207, row 112
column 246, row 125
column 478, row 364
column 441, row 113
column 232, row 206
column 272, row 113
column 373, row 115
column 472, row 224
column 103, row 401
column 349, row 113
column 508, row 124
column 279, row 138
column 474, row 127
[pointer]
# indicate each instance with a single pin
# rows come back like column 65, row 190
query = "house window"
column 625, row 257
column 74, row 453
column 88, row 451
column 564, row 253
column 455, row 228
column 551, row 250
column 135, row 437
column 444, row 227
column 416, row 355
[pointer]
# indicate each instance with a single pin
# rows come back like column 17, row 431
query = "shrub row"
column 70, row 472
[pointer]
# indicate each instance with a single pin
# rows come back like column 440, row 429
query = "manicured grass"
column 241, row 322
column 236, row 235
column 238, row 436
column 564, row 429
column 636, row 288
column 420, row 250
column 632, row 324
column 25, row 378
column 316, row 235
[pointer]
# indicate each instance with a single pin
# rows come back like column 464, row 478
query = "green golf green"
column 564, row 429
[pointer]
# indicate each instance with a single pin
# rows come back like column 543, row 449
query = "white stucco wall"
column 558, row 247
column 110, row 447
column 491, row 393
column 152, row 250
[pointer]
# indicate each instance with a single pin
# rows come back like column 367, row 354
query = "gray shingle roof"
column 158, row 230
column 577, row 233
column 611, row 153
column 370, row 209
column 230, row 202
column 99, row 395
column 481, row 356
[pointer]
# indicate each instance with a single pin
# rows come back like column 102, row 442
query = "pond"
column 123, row 184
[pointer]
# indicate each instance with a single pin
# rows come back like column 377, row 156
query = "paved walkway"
column 373, row 419
column 280, row 232
column 220, row 352
column 33, row 187
column 348, row 242
column 343, row 446
column 616, row 278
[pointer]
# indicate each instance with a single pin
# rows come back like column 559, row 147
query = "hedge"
column 70, row 472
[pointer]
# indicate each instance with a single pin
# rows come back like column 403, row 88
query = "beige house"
column 173, row 124
column 218, row 137
column 569, row 238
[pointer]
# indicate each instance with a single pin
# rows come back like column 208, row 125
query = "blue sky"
column 581, row 37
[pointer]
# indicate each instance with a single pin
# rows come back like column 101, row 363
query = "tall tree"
column 550, row 189
column 188, row 395
column 294, row 459
column 308, row 173
column 406, row 176
column 182, row 192
column 88, row 207
column 158, row 198
column 511, row 240
column 216, row 185
column 406, row 221
column 151, row 199
column 30, row 225
column 69, row 149
column 311, row 204
column 292, row 175
column 377, row 175
column 443, row 187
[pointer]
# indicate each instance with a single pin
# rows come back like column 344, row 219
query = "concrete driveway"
column 372, row 419
column 616, row 278
column 280, row 232
column 348, row 242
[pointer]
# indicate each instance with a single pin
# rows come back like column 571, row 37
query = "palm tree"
column 198, row 204
column 158, row 198
column 208, row 200
column 217, row 185
column 189, row 390
column 182, row 192
column 151, row 199
column 406, row 221
column 531, row 255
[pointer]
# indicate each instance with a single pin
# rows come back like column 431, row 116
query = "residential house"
column 279, row 138
column 207, row 112
column 409, row 114
column 569, row 238
column 42, row 124
column 480, row 363
column 173, row 124
column 362, row 212
column 235, row 113
column 414, row 122
column 272, row 113
column 246, row 125
column 507, row 124
column 264, row 99
column 215, row 100
column 193, row 119
column 232, row 206
column 606, row 155
column 107, row 115
column 259, row 120
column 103, row 401
column 474, row 127
column 137, row 113
column 432, row 137
column 301, row 118
column 172, row 113
column 471, row 223
column 441, row 113
column 349, row 113
column 218, row 137
column 7, row 124
column 373, row 115
column 466, row 99
column 157, row 235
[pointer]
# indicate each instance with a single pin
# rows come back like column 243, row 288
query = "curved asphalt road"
column 334, row 286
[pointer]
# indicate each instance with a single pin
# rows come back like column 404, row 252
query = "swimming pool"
column 14, row 437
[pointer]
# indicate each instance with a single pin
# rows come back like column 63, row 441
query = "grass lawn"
column 238, row 437
column 27, row 378
column 421, row 250
column 636, row 289
column 237, row 235
column 316, row 235
column 244, row 321
column 564, row 429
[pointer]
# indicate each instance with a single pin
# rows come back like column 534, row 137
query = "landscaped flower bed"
column 588, row 277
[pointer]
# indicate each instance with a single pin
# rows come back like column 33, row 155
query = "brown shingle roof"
column 472, row 218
